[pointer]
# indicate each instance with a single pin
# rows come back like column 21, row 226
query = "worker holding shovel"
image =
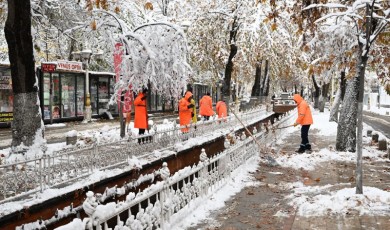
column 305, row 119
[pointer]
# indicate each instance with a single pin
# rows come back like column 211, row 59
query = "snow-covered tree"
column 368, row 18
column 158, row 57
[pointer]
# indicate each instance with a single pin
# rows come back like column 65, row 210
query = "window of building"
column 6, row 95
column 68, row 95
column 94, row 94
column 80, row 95
column 103, row 94
column 112, row 108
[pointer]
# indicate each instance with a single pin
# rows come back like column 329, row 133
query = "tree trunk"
column 325, row 90
column 359, row 170
column 316, row 92
column 27, row 122
column 229, row 64
column 267, row 79
column 122, row 123
column 343, row 84
column 324, row 97
column 346, row 129
column 264, row 82
column 334, row 111
column 364, row 49
column 228, row 74
column 165, row 7
column 256, row 85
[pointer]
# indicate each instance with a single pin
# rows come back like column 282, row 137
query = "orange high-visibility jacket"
column 141, row 112
column 185, row 112
column 221, row 109
column 206, row 106
column 304, row 112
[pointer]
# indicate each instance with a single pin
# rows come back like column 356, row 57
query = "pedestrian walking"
column 221, row 109
column 186, row 111
column 304, row 119
column 206, row 106
column 141, row 113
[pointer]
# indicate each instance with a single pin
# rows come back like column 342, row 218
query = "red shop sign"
column 48, row 67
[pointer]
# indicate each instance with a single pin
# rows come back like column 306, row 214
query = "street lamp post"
column 85, row 56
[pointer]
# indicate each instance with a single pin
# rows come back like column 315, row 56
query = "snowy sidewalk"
column 308, row 191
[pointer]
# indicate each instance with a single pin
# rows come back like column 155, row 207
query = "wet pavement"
column 264, row 206
column 378, row 122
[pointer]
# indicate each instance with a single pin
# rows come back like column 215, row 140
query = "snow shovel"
column 284, row 127
column 271, row 161
column 250, row 133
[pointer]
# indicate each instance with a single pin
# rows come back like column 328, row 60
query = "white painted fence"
column 162, row 205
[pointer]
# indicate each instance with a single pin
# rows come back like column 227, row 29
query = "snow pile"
column 381, row 136
column 341, row 202
column 105, row 211
column 74, row 225
column 134, row 163
column 55, row 125
column 322, row 125
column 72, row 133
column 310, row 161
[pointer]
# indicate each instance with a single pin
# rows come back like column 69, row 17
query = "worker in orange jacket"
column 186, row 111
column 206, row 106
column 221, row 109
column 305, row 119
column 141, row 113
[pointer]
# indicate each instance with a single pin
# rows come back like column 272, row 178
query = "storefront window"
column 103, row 94
column 113, row 108
column 6, row 97
column 46, row 96
column 94, row 94
column 68, row 86
column 56, row 106
column 80, row 95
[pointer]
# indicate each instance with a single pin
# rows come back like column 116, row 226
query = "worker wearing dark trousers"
column 305, row 119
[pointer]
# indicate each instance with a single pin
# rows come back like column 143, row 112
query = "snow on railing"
column 60, row 169
column 165, row 203
column 160, row 205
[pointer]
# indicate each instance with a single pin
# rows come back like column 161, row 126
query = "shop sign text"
column 6, row 117
column 69, row 65
column 48, row 67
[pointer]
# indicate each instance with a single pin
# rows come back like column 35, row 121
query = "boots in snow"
column 301, row 149
column 308, row 148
